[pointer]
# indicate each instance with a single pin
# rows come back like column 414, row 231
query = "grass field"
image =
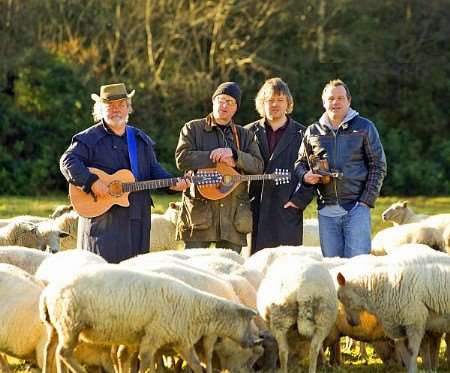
column 43, row 206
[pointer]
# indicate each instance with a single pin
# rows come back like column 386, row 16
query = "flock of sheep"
column 212, row 308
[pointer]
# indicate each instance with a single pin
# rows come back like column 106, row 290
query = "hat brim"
column 97, row 98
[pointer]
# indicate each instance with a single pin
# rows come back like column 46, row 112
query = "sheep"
column 298, row 291
column 162, row 234
column 61, row 210
column 262, row 260
column 22, row 218
column 226, row 253
column 65, row 263
column 311, row 232
column 146, row 310
column 407, row 297
column 210, row 283
column 22, row 234
column 399, row 213
column 22, row 333
column 23, row 257
column 407, row 233
column 68, row 223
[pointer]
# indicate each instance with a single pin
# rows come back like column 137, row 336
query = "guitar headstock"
column 207, row 177
column 281, row 176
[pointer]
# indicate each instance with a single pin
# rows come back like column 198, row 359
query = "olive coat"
column 230, row 218
column 274, row 225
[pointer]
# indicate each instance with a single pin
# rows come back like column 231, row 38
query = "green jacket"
column 229, row 218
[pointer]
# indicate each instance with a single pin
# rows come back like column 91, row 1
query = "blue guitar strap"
column 132, row 151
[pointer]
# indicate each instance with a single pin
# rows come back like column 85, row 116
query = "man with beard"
column 110, row 145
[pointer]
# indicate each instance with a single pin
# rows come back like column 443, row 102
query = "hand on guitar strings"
column 182, row 184
column 100, row 189
column 224, row 155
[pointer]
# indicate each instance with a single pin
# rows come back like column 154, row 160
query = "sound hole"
column 115, row 188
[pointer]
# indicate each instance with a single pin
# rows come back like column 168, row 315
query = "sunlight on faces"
column 115, row 113
column 224, row 108
column 336, row 102
column 275, row 106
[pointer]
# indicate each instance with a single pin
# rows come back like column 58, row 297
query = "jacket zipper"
column 335, row 158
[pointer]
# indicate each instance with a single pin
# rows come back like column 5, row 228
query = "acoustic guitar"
column 120, row 185
column 219, row 187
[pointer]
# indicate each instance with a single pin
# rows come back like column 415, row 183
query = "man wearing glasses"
column 204, row 143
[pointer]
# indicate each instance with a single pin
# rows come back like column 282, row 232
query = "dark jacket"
column 355, row 150
column 121, row 232
column 273, row 225
column 226, row 219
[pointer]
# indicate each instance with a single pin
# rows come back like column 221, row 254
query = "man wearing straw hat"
column 112, row 144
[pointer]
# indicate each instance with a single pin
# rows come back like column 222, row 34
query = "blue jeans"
column 348, row 235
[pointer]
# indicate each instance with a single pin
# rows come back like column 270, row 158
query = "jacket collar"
column 210, row 123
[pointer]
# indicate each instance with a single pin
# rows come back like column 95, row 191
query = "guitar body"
column 89, row 206
column 219, row 191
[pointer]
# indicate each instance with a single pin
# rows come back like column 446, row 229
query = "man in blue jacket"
column 121, row 232
column 356, row 168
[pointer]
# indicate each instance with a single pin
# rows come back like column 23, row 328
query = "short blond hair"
column 337, row 83
column 97, row 109
column 273, row 86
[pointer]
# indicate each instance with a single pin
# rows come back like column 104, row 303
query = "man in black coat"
column 121, row 232
column 276, row 219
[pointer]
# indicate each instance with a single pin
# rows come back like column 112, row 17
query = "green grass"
column 43, row 206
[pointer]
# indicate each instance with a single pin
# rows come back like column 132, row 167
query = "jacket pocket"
column 196, row 214
column 243, row 218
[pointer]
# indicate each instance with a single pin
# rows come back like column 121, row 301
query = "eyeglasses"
column 224, row 101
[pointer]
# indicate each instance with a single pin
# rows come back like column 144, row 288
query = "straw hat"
column 112, row 92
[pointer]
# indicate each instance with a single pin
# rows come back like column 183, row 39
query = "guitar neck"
column 239, row 178
column 157, row 184
column 149, row 184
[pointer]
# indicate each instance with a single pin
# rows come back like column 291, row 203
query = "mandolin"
column 120, row 185
column 228, row 179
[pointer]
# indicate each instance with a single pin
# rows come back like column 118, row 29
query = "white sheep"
column 311, row 232
column 22, row 334
column 61, row 210
column 162, row 233
column 68, row 223
column 116, row 306
column 210, row 283
column 21, row 218
column 262, row 260
column 22, row 234
column 65, row 263
column 298, row 291
column 407, row 233
column 408, row 297
column 399, row 213
column 226, row 253
column 23, row 257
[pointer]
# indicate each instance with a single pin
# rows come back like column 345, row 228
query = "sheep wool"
column 114, row 305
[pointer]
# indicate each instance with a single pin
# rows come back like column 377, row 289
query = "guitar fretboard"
column 157, row 184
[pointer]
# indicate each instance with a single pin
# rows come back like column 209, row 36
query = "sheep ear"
column 341, row 279
column 405, row 204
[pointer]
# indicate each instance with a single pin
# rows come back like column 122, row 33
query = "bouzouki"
column 120, row 184
column 220, row 187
